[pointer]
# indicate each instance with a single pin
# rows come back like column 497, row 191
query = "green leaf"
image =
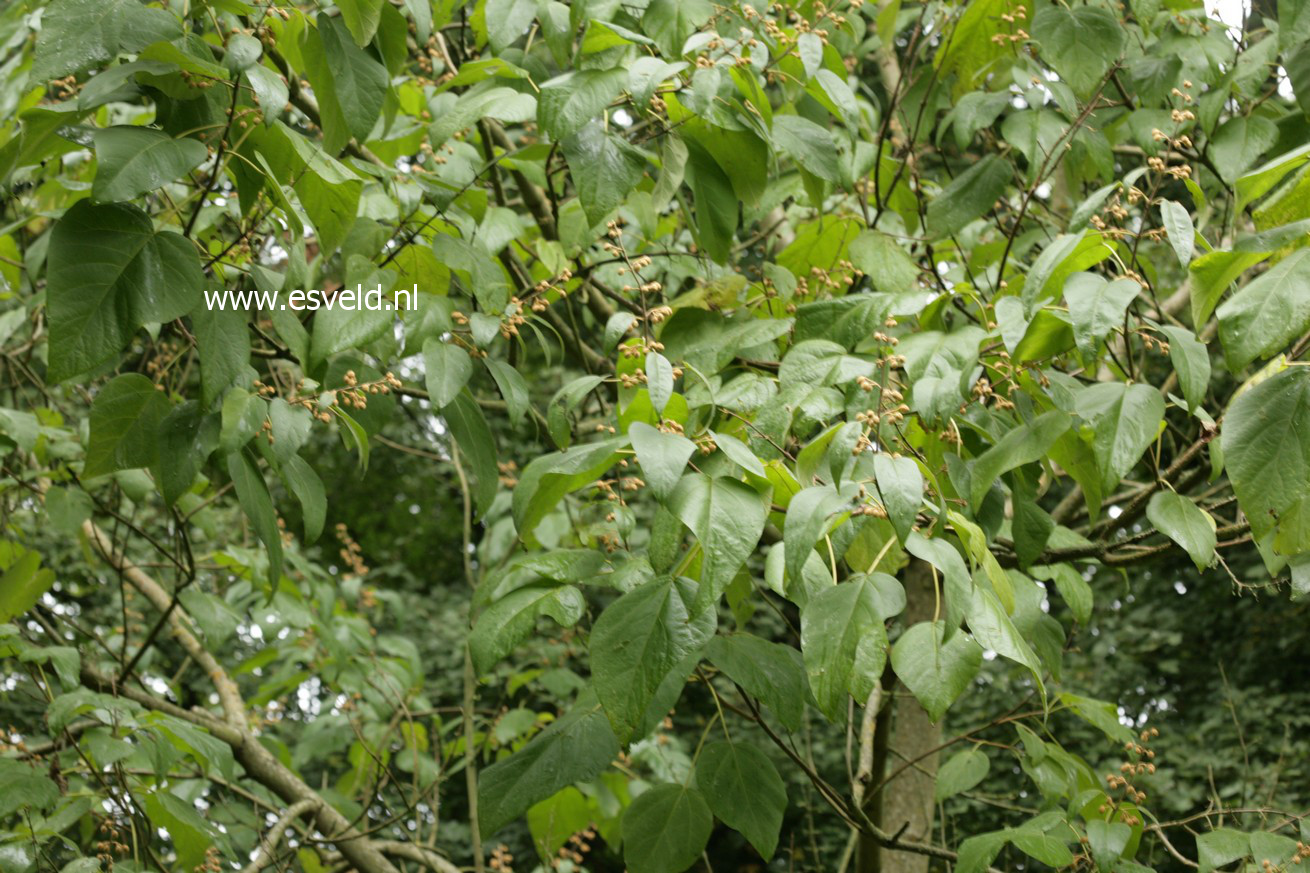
column 1125, row 419
column 979, row 851
column 22, row 585
column 187, row 437
column 739, row 453
column 663, row 456
column 512, row 619
column 659, row 380
column 994, row 630
column 1265, row 450
column 1220, row 847
column 513, row 388
column 447, row 368
column 1182, row 233
column 881, row 258
column 361, row 18
column 507, row 20
column 257, row 504
column 937, row 672
column 1185, row 523
column 844, row 644
column 1097, row 307
column 223, row 341
column 1107, row 840
column 1262, row 179
column 1044, row 847
column 110, row 273
column 605, row 168
column 970, row 195
column 942, row 555
column 1191, row 360
column 566, row 103
column 575, row 748
column 1080, row 44
column 1026, row 444
column 743, row 788
column 131, row 161
column 961, row 772
column 808, row 517
column 716, row 202
column 548, row 478
column 125, row 421
column 302, row 481
column 350, row 85
column 1239, row 142
column 1268, row 314
column 638, row 642
column 727, row 517
column 811, row 147
column 469, row 430
column 670, row 22
column 1072, row 587
column 665, row 829
column 772, row 672
column 900, row 484
column 558, row 817
column 76, row 35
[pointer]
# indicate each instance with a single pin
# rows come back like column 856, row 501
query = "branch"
column 229, row 696
column 268, row 842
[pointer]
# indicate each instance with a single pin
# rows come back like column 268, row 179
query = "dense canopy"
column 808, row 436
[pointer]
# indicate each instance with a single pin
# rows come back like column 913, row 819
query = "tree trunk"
column 904, row 807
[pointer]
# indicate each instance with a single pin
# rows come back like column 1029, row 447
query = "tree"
column 790, row 409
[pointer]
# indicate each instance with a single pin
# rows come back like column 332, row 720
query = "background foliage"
column 830, row 437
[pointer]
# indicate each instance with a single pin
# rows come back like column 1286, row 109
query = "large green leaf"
column 812, row 147
column 1191, row 360
column 110, row 273
column 1125, row 419
column 568, row 102
column 350, row 85
column 638, row 642
column 575, row 748
column 1264, row 317
column 22, row 583
column 1096, row 307
column 1080, row 43
column 257, row 504
column 1025, row 444
column 808, row 515
column 125, row 424
column 744, row 789
column 1265, row 448
column 132, row 161
column 447, row 368
column 666, row 829
column 844, row 644
column 772, row 672
column 512, row 619
column 663, row 456
column 605, row 168
column 960, row 773
column 477, row 446
column 727, row 517
column 78, row 34
column 970, row 195
column 548, row 478
column 900, row 484
column 670, row 22
column 936, row 671
column 1185, row 523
